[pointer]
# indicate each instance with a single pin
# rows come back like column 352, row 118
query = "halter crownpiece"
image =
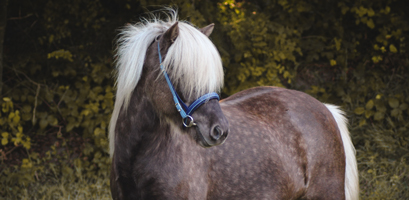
column 184, row 110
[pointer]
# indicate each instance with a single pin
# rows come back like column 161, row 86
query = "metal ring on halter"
column 191, row 123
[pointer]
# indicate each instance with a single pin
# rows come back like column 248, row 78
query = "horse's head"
column 182, row 49
column 194, row 69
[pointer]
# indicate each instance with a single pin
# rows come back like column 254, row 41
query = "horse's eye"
column 157, row 37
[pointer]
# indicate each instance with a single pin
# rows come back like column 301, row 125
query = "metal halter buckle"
column 191, row 123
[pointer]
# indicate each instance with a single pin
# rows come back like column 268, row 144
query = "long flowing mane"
column 193, row 60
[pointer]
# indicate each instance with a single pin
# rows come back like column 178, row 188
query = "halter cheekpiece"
column 184, row 110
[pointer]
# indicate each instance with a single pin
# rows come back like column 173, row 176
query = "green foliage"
column 261, row 49
column 11, row 126
column 56, row 107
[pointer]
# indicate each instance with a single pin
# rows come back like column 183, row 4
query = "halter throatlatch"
column 184, row 110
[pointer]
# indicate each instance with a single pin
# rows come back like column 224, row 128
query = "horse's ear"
column 207, row 30
column 170, row 36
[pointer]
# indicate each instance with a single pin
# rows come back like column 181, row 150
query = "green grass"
column 49, row 186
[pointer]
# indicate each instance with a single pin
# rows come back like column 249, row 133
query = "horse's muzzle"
column 216, row 136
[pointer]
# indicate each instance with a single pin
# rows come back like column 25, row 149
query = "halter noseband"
column 184, row 110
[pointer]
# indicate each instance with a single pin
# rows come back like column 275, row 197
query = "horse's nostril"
column 216, row 133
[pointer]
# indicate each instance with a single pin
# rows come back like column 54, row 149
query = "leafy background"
column 57, row 89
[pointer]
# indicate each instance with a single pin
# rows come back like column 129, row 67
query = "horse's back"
column 283, row 144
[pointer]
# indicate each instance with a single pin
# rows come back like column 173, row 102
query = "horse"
column 261, row 143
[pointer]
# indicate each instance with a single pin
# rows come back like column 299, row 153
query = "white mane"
column 195, row 63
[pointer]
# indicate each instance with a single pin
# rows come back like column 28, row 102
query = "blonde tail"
column 351, row 168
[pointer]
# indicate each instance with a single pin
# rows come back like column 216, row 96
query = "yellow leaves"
column 369, row 105
column 392, row 48
column 367, row 110
column 26, row 163
column 337, row 43
column 258, row 71
column 376, row 59
column 386, row 10
column 397, row 107
column 64, row 54
column 52, row 120
column 99, row 132
column 16, row 118
column 259, row 44
column 394, row 103
column 4, row 135
column 286, row 74
column 18, row 139
column 361, row 11
column 379, row 116
column 11, row 126
column 43, row 124
column 376, row 47
column 359, row 110
column 4, row 139
column 315, row 90
column 103, row 125
column 333, row 62
column 85, row 112
column 7, row 105
column 64, row 87
column 370, row 12
column 362, row 122
column 364, row 15
column 51, row 39
column 344, row 10
column 55, row 73
column 370, row 23
column 27, row 143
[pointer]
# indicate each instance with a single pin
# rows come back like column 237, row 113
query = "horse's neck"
column 140, row 129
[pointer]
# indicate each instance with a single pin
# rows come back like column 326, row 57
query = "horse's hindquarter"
column 282, row 144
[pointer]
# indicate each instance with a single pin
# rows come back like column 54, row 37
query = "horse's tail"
column 351, row 169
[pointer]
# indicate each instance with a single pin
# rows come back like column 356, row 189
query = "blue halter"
column 184, row 110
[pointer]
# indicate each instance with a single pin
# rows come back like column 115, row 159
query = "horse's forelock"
column 193, row 63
